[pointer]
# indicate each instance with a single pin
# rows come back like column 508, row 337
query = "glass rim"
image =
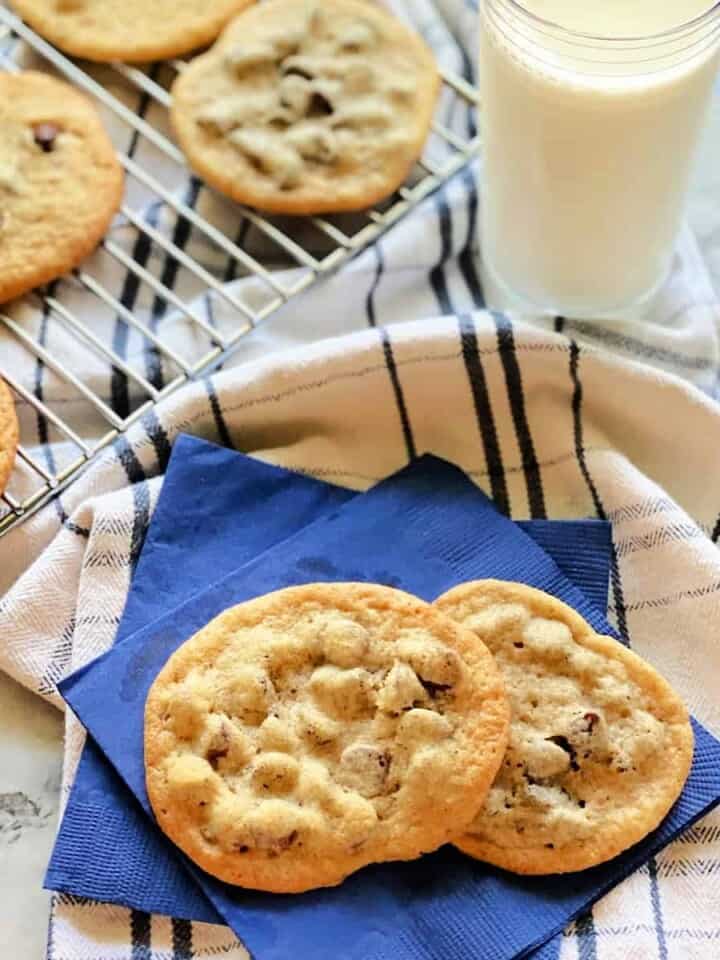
column 670, row 34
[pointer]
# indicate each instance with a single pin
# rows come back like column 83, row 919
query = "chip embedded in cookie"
column 8, row 434
column 308, row 106
column 60, row 180
column 302, row 735
column 131, row 30
column 600, row 745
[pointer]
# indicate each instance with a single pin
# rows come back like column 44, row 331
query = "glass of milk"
column 591, row 110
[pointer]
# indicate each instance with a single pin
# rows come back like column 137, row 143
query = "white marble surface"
column 30, row 765
column 31, row 731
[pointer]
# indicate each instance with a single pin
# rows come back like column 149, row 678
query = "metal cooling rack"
column 135, row 100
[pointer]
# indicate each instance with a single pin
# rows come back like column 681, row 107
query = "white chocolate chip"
column 275, row 158
column 242, row 58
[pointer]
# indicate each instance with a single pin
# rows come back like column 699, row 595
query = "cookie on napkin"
column 60, row 180
column 308, row 107
column 8, row 434
column 131, row 30
column 307, row 733
column 600, row 745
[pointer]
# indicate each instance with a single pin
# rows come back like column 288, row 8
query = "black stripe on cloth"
column 43, row 429
column 141, row 497
column 73, row 900
column 398, row 393
column 620, row 608
column 168, row 277
column 143, row 104
column 513, row 381
column 642, row 510
column 119, row 390
column 59, row 661
column 578, row 428
column 468, row 75
column 159, row 438
column 466, row 259
column 716, row 531
column 76, row 528
column 691, row 867
column 182, row 939
column 216, row 409
column 586, row 937
column 657, row 909
column 700, row 833
column 621, row 341
column 140, row 929
column 119, row 385
column 670, row 533
column 484, row 413
column 50, row 940
column 437, row 279
column 656, row 603
column 207, row 300
column 370, row 299
column 42, row 423
column 231, row 267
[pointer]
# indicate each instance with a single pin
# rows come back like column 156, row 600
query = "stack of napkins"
column 259, row 528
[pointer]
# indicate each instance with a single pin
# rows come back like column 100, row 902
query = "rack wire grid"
column 166, row 282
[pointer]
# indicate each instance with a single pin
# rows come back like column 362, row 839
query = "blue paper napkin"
column 425, row 530
column 217, row 510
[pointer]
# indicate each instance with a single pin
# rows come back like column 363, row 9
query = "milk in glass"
column 590, row 113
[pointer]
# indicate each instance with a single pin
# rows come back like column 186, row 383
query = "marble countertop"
column 31, row 731
column 30, row 768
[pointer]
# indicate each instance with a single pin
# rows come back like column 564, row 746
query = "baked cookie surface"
column 60, row 181
column 8, row 434
column 131, row 30
column 302, row 735
column 600, row 745
column 307, row 106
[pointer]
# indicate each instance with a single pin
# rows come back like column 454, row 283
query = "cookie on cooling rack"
column 131, row 30
column 600, row 745
column 302, row 735
column 308, row 106
column 60, row 181
column 8, row 434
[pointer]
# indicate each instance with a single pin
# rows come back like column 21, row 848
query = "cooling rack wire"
column 160, row 281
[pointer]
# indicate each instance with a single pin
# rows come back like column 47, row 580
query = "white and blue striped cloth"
column 552, row 418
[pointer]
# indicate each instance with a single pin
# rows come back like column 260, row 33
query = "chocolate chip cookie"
column 302, row 735
column 600, row 745
column 60, row 181
column 307, row 106
column 8, row 434
column 131, row 30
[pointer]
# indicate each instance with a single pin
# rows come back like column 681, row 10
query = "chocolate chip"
column 565, row 745
column 285, row 842
column 45, row 134
column 219, row 748
column 435, row 688
column 550, row 846
column 519, row 644
column 319, row 106
column 294, row 71
column 591, row 719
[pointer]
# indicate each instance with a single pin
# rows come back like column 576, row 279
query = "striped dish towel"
column 552, row 418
